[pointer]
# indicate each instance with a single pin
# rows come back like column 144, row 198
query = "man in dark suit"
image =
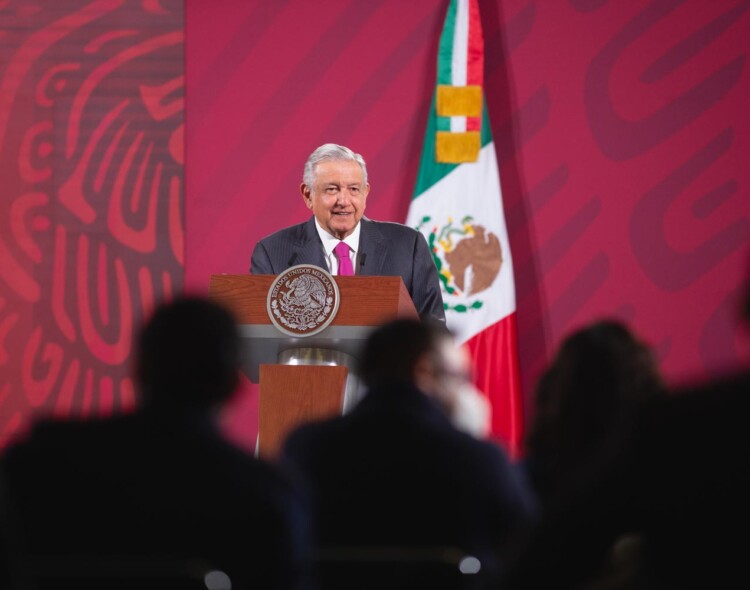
column 158, row 495
column 335, row 189
column 396, row 473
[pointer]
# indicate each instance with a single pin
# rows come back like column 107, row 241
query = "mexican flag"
column 457, row 205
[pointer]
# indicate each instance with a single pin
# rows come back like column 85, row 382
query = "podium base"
column 353, row 391
column 293, row 395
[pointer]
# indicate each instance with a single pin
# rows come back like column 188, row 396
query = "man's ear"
column 306, row 194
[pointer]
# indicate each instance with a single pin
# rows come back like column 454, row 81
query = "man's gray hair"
column 330, row 152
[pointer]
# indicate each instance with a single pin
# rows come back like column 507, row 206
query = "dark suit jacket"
column 385, row 249
column 155, row 486
column 395, row 472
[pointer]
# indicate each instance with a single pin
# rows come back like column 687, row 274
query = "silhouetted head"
column 595, row 383
column 188, row 354
column 394, row 351
column 425, row 355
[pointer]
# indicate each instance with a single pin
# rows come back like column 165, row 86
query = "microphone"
column 362, row 258
column 290, row 262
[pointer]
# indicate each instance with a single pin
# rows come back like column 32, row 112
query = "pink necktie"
column 345, row 263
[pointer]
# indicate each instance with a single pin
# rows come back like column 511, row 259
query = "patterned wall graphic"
column 621, row 127
column 91, row 207
column 622, row 131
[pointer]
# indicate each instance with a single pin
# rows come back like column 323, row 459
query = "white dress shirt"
column 330, row 242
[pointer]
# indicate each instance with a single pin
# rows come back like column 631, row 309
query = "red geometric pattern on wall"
column 91, row 206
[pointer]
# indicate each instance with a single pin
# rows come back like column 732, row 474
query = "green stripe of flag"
column 445, row 49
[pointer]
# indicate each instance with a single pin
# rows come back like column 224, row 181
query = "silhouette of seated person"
column 679, row 480
column 590, row 393
column 161, row 485
column 395, row 472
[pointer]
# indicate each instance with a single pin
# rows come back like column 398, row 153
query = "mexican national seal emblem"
column 302, row 300
column 468, row 258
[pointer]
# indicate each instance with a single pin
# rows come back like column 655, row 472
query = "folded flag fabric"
column 457, row 205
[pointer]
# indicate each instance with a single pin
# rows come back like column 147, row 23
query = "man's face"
column 338, row 196
column 453, row 370
column 467, row 408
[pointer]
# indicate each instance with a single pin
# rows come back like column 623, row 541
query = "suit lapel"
column 373, row 249
column 308, row 249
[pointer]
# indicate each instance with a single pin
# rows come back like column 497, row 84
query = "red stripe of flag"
column 498, row 376
column 475, row 59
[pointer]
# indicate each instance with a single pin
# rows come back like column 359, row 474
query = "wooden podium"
column 304, row 378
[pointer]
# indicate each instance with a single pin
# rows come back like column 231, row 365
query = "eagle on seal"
column 305, row 291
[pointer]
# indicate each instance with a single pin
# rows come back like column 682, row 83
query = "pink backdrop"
column 622, row 132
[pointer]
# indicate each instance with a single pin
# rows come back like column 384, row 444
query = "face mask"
column 472, row 412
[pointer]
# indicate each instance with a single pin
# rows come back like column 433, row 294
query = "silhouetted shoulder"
column 733, row 388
